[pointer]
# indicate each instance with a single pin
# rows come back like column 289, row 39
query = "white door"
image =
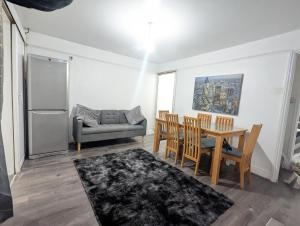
column 7, row 112
column 18, row 52
column 165, row 91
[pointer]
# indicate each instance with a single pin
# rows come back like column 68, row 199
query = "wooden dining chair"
column 174, row 140
column 243, row 158
column 224, row 123
column 162, row 115
column 194, row 144
column 160, row 129
column 205, row 119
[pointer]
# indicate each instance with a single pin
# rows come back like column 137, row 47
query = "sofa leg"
column 78, row 147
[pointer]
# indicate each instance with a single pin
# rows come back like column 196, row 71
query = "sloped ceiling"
column 183, row 29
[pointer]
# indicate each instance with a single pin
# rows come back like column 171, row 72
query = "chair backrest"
column 162, row 114
column 192, row 138
column 251, row 143
column 205, row 119
column 173, row 131
column 223, row 122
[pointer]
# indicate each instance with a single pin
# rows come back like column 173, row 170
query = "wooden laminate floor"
column 48, row 192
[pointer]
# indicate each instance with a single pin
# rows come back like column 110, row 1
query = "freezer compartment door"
column 48, row 131
column 47, row 83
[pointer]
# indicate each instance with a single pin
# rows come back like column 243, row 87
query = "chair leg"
column 176, row 156
column 166, row 153
column 223, row 163
column 197, row 166
column 211, row 158
column 242, row 179
column 78, row 147
column 182, row 160
column 237, row 166
column 249, row 177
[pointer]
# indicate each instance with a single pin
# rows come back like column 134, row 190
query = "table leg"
column 156, row 137
column 217, row 160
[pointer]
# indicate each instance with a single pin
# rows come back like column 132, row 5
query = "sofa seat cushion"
column 208, row 142
column 234, row 152
column 109, row 128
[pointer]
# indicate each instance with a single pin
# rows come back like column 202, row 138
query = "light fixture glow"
column 153, row 14
column 133, row 22
column 149, row 43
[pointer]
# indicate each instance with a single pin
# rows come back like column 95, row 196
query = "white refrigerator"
column 47, row 87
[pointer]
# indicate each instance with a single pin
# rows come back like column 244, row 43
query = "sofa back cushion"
column 110, row 117
column 123, row 118
column 134, row 116
column 87, row 115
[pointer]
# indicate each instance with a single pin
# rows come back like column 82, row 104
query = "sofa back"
column 113, row 117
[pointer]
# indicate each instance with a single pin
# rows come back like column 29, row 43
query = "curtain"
column 6, row 206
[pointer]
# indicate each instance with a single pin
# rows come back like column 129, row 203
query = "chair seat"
column 208, row 142
column 234, row 152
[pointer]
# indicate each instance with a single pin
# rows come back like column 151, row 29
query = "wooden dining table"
column 211, row 130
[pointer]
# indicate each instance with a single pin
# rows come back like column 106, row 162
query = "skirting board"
column 261, row 172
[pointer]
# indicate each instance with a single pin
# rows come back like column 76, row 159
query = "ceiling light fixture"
column 148, row 24
column 153, row 13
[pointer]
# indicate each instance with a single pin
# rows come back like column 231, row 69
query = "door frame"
column 10, row 159
column 17, row 110
column 296, row 113
column 10, row 13
column 288, row 85
column 174, row 88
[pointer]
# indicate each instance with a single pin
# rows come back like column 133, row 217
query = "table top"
column 213, row 128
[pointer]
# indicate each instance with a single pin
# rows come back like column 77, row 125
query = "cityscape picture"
column 218, row 94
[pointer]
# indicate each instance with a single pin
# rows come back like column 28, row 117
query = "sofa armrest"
column 144, row 124
column 77, row 129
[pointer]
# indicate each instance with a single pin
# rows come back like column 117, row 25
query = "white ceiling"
column 185, row 27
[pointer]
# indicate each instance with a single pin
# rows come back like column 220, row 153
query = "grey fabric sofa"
column 112, row 125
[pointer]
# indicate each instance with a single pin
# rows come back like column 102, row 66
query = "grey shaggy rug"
column 134, row 188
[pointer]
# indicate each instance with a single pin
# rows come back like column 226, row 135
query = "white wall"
column 262, row 94
column 265, row 94
column 100, row 79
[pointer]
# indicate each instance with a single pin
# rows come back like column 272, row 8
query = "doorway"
column 166, row 91
column 12, row 121
column 292, row 135
column 7, row 110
